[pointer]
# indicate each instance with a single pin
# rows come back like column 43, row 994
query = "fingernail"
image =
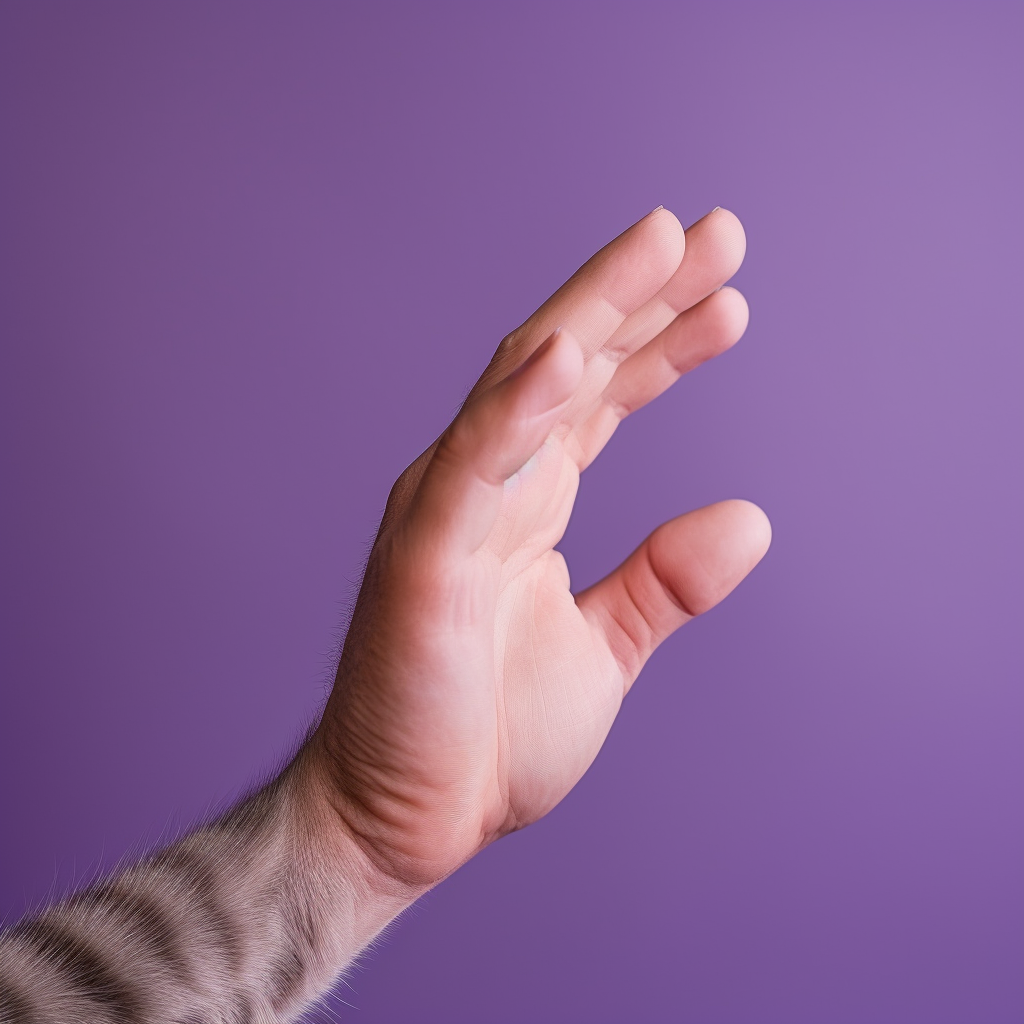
column 715, row 210
column 656, row 209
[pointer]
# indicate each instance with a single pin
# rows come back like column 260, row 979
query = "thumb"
column 684, row 568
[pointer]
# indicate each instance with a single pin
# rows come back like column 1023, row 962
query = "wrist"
column 339, row 863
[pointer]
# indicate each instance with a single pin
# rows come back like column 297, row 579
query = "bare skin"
column 475, row 689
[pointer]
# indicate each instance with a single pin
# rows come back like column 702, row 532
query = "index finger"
column 617, row 280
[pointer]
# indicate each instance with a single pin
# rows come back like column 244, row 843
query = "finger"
column 700, row 333
column 715, row 247
column 593, row 303
column 495, row 434
column 684, row 568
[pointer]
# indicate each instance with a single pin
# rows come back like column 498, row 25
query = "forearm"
column 247, row 919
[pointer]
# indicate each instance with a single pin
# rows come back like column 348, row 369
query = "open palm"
column 475, row 689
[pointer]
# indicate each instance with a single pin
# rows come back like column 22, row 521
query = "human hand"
column 474, row 688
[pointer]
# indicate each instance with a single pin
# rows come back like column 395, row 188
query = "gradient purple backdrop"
column 253, row 257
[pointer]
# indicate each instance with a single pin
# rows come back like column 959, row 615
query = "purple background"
column 253, row 256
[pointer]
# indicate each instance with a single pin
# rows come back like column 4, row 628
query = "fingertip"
column 665, row 241
column 551, row 376
column 755, row 525
column 726, row 220
column 732, row 314
column 724, row 237
column 567, row 359
column 708, row 552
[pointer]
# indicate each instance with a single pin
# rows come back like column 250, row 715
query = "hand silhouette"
column 475, row 689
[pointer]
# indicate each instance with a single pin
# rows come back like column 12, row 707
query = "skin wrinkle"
column 369, row 844
column 658, row 314
column 631, row 667
column 670, row 593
